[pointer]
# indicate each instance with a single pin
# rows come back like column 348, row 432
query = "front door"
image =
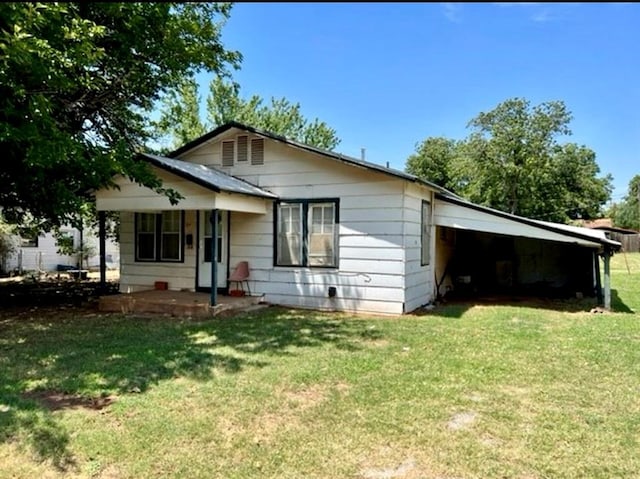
column 204, row 250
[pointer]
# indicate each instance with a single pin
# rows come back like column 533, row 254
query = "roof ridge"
column 314, row 149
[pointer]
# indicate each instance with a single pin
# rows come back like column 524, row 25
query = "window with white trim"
column 170, row 236
column 159, row 236
column 307, row 233
column 145, row 236
column 289, row 234
column 321, row 237
column 426, row 233
column 208, row 238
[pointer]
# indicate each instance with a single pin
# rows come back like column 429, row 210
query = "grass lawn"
column 544, row 390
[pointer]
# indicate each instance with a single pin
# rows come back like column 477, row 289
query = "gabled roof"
column 613, row 229
column 326, row 153
column 584, row 234
column 206, row 176
column 578, row 232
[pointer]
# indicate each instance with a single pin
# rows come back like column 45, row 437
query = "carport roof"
column 588, row 235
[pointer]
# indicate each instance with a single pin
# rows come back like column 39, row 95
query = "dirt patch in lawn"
column 400, row 470
column 389, row 462
column 305, row 398
column 56, row 400
column 462, row 420
column 288, row 416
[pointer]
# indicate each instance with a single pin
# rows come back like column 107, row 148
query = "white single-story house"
column 322, row 230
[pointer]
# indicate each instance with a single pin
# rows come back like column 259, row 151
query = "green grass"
column 487, row 391
column 625, row 283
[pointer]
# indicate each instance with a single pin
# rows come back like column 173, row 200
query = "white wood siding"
column 370, row 276
column 379, row 233
column 419, row 278
column 139, row 276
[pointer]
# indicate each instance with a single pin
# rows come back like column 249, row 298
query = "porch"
column 177, row 303
column 186, row 243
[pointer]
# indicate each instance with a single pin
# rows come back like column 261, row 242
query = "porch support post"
column 596, row 266
column 607, row 279
column 214, row 256
column 102, row 233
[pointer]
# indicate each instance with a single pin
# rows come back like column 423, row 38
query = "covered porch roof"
column 202, row 187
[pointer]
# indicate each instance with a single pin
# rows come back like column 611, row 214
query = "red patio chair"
column 240, row 275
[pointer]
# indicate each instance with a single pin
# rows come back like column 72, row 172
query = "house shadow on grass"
column 456, row 307
column 55, row 359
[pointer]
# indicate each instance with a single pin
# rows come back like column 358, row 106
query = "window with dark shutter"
column 307, row 233
column 145, row 236
column 227, row 153
column 257, row 151
column 159, row 236
column 243, row 148
column 170, row 236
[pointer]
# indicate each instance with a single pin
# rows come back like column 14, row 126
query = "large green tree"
column 437, row 159
column 513, row 161
column 77, row 81
column 181, row 122
column 180, row 116
column 626, row 214
column 580, row 191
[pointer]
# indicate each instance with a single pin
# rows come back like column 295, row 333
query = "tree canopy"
column 77, row 81
column 435, row 159
column 513, row 161
column 180, row 118
column 626, row 214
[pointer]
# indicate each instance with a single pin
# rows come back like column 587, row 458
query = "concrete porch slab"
column 175, row 303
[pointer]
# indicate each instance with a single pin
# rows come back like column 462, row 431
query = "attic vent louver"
column 257, row 151
column 227, row 153
column 243, row 148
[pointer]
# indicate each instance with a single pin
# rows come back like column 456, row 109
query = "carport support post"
column 102, row 233
column 606, row 256
column 596, row 267
column 214, row 256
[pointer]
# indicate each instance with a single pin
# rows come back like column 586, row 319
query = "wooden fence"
column 630, row 242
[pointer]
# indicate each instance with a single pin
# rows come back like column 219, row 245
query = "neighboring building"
column 629, row 239
column 40, row 253
column 322, row 230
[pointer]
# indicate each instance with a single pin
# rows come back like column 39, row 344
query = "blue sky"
column 388, row 75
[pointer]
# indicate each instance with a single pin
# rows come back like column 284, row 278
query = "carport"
column 480, row 250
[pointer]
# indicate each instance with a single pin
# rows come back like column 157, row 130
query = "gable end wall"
column 371, row 273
